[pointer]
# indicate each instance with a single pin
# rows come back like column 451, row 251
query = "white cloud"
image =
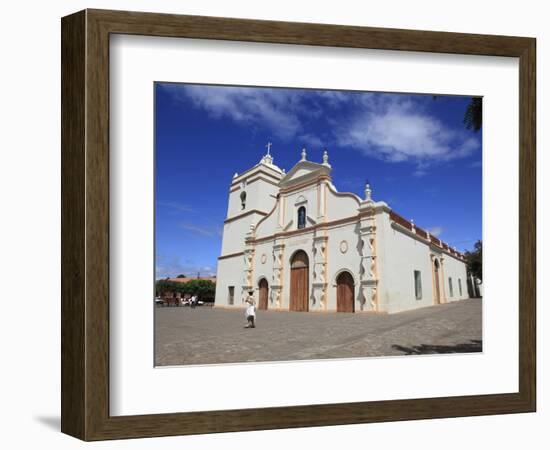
column 176, row 206
column 390, row 127
column 168, row 267
column 203, row 230
column 272, row 108
column 397, row 131
column 310, row 140
column 435, row 231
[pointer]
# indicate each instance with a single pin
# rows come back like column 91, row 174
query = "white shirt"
column 250, row 310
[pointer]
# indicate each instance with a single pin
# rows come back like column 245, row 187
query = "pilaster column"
column 320, row 283
column 277, row 279
column 281, row 210
column 368, row 268
column 321, row 200
column 248, row 271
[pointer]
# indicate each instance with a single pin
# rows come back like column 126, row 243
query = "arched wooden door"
column 437, row 296
column 264, row 289
column 299, row 282
column 345, row 293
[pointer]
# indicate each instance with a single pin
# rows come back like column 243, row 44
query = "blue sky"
column 414, row 150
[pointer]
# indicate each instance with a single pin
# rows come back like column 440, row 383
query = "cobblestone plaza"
column 207, row 335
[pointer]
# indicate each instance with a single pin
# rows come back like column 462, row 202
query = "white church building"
column 301, row 245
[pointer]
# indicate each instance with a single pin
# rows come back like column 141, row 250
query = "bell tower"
column 252, row 195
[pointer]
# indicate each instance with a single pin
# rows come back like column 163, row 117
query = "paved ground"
column 204, row 335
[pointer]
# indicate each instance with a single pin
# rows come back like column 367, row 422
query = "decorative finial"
column 268, row 159
column 368, row 192
column 325, row 157
column 236, row 175
column 303, row 154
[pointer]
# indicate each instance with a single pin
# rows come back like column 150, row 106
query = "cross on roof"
column 268, row 146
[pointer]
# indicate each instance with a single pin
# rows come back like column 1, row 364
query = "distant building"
column 187, row 279
column 301, row 245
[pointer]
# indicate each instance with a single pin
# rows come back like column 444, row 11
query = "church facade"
column 301, row 245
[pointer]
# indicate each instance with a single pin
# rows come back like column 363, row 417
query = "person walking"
column 250, row 312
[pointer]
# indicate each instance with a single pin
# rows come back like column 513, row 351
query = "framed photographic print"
column 272, row 225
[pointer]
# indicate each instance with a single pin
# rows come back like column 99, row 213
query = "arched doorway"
column 264, row 288
column 437, row 294
column 299, row 282
column 345, row 293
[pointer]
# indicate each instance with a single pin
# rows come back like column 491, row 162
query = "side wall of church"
column 455, row 270
column 400, row 254
column 403, row 254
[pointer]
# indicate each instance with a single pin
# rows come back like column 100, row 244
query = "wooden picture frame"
column 85, row 224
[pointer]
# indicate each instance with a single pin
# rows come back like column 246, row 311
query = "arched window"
column 302, row 217
column 243, row 200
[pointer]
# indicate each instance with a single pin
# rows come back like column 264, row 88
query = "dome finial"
column 303, row 154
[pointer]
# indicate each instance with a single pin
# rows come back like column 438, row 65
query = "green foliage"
column 203, row 289
column 474, row 260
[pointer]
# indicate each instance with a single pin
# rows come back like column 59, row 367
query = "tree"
column 181, row 275
column 473, row 116
column 203, row 289
column 474, row 260
column 162, row 287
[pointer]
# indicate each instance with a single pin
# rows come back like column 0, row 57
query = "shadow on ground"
column 470, row 347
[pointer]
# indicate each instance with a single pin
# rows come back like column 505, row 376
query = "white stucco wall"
column 230, row 273
column 234, row 233
column 400, row 253
column 260, row 195
column 456, row 270
column 340, row 204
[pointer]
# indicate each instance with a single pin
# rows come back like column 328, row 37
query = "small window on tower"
column 243, row 200
column 302, row 217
